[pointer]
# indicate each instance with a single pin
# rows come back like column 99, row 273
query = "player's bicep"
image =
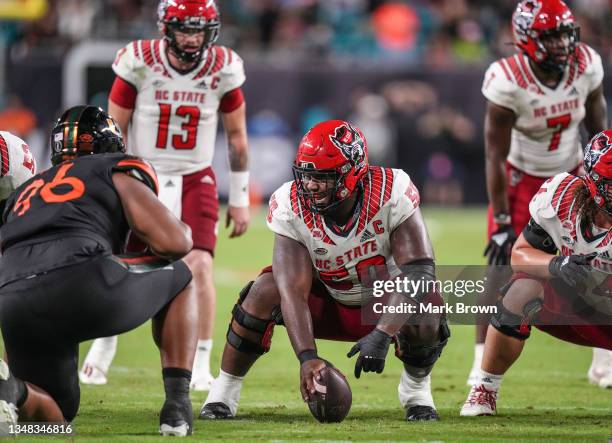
column 292, row 267
column 499, row 122
column 596, row 111
column 410, row 240
column 150, row 219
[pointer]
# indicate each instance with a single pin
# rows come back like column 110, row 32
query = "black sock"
column 22, row 392
column 176, row 382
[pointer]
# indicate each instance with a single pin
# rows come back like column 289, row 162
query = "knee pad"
column 421, row 356
column 264, row 328
column 513, row 325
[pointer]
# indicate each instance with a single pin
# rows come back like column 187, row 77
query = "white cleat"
column 600, row 376
column 202, row 382
column 177, row 431
column 480, row 401
column 8, row 409
column 92, row 375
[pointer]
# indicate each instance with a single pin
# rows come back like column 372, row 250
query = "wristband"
column 309, row 354
column 502, row 218
column 239, row 189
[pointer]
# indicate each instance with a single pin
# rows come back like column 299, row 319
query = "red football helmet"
column 598, row 165
column 189, row 16
column 334, row 152
column 534, row 21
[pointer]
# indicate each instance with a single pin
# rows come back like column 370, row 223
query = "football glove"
column 572, row 269
column 499, row 249
column 372, row 350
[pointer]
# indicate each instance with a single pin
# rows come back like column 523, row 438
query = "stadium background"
column 409, row 74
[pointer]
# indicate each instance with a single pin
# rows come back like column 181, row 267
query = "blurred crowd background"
column 407, row 71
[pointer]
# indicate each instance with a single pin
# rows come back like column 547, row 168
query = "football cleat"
column 421, row 413
column 215, row 411
column 8, row 399
column 480, row 401
column 600, row 376
column 92, row 375
column 176, row 418
column 202, row 383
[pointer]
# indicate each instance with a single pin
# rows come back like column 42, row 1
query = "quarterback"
column 337, row 225
column 16, row 164
column 536, row 102
column 167, row 97
column 565, row 295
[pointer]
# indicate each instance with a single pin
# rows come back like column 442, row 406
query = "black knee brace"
column 264, row 328
column 421, row 356
column 514, row 325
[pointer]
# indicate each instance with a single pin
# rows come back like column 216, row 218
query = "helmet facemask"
column 547, row 60
column 334, row 194
column 211, row 34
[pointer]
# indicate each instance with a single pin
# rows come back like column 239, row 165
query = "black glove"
column 372, row 350
column 572, row 269
column 499, row 249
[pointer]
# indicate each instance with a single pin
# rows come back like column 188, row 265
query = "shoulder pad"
column 554, row 197
column 140, row 170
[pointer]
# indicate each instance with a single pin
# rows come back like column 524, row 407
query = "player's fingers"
column 228, row 218
column 358, row 366
column 380, row 367
column 304, row 390
column 590, row 257
column 354, row 350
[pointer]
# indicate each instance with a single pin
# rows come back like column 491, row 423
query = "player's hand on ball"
column 241, row 218
column 572, row 269
column 372, row 350
column 499, row 249
column 309, row 373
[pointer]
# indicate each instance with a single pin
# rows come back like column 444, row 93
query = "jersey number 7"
column 560, row 123
column 186, row 139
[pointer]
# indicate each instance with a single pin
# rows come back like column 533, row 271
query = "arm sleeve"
column 231, row 101
column 123, row 93
column 405, row 199
column 498, row 87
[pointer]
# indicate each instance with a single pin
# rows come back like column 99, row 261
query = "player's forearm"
column 391, row 323
column 298, row 322
column 531, row 261
column 497, row 184
column 238, row 153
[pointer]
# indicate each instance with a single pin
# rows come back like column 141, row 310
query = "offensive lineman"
column 166, row 96
column 566, row 295
column 339, row 220
column 61, row 282
column 536, row 101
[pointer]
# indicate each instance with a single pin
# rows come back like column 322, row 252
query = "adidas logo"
column 201, row 85
column 169, row 184
column 534, row 102
column 574, row 91
column 158, row 83
column 367, row 235
column 208, row 180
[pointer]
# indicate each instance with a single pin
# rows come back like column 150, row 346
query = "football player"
column 167, row 96
column 336, row 224
column 565, row 295
column 536, row 101
column 16, row 164
column 61, row 282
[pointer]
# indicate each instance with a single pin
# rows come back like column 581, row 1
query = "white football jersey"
column 174, row 124
column 546, row 135
column 554, row 209
column 342, row 259
column 17, row 165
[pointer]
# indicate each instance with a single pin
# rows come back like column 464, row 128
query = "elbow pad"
column 425, row 270
column 538, row 238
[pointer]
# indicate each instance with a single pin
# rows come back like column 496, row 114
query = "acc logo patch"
column 320, row 251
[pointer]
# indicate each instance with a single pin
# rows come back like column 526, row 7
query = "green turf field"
column 544, row 397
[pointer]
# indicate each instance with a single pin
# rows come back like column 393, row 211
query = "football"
column 332, row 400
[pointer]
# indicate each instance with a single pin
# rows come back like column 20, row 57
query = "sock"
column 102, row 352
column 226, row 389
column 201, row 361
column 490, row 381
column 601, row 357
column 413, row 391
column 478, row 353
column 176, row 382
